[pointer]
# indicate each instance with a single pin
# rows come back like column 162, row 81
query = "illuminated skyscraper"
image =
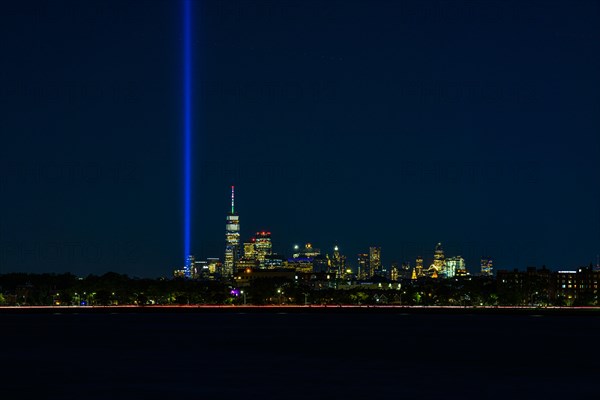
column 250, row 249
column 439, row 261
column 419, row 266
column 189, row 267
column 248, row 261
column 214, row 265
column 232, row 240
column 375, row 261
column 338, row 263
column 454, row 266
column 263, row 246
column 274, row 261
column 363, row 266
column 461, row 269
column 486, row 266
column 303, row 258
column 394, row 272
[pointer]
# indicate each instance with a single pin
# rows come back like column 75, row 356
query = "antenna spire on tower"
column 232, row 199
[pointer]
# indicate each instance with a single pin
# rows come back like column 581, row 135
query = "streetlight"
column 244, row 296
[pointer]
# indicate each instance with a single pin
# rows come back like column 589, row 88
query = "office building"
column 250, row 249
column 274, row 261
column 394, row 272
column 232, row 240
column 307, row 251
column 263, row 246
column 375, row 267
column 439, row 262
column 486, row 266
column 455, row 266
column 418, row 271
column 337, row 263
column 363, row 271
column 188, row 267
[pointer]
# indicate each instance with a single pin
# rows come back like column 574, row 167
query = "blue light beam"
column 187, row 130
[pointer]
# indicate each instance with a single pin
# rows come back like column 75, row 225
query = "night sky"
column 395, row 123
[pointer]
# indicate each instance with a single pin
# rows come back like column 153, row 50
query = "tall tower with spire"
column 232, row 239
column 338, row 263
column 439, row 261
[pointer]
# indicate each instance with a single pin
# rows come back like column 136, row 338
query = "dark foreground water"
column 298, row 356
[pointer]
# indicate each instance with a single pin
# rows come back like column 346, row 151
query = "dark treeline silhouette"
column 534, row 287
column 108, row 289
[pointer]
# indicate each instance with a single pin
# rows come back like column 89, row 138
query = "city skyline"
column 447, row 266
column 402, row 124
column 179, row 177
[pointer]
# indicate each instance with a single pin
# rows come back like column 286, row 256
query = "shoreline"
column 300, row 309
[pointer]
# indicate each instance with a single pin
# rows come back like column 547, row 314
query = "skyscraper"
column 250, row 249
column 363, row 266
column 455, row 266
column 338, row 262
column 419, row 266
column 394, row 272
column 189, row 266
column 232, row 239
column 303, row 258
column 486, row 266
column 263, row 246
column 439, row 261
column 375, row 261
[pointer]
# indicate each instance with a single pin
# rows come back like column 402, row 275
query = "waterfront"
column 222, row 355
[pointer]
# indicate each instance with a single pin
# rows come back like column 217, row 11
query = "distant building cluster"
column 256, row 254
column 539, row 286
column 446, row 280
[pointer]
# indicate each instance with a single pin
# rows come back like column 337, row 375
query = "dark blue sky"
column 402, row 124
